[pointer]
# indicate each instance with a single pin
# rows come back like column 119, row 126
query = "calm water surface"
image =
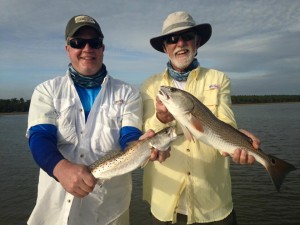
column 255, row 198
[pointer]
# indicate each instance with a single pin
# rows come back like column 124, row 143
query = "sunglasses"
column 173, row 39
column 79, row 43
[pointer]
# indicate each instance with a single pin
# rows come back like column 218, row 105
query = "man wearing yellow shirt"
column 193, row 186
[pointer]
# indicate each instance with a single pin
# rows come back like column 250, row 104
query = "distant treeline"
column 20, row 105
column 254, row 99
column 14, row 105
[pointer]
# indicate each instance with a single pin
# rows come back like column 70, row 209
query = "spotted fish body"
column 198, row 122
column 135, row 155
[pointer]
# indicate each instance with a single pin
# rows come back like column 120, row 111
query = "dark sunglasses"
column 173, row 39
column 80, row 43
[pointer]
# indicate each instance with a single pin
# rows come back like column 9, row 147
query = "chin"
column 183, row 63
column 89, row 72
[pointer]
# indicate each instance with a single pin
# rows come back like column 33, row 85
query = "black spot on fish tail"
column 278, row 169
column 273, row 161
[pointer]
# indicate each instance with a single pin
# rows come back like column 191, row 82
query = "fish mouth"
column 163, row 94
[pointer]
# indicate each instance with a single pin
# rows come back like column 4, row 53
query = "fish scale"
column 135, row 155
column 198, row 122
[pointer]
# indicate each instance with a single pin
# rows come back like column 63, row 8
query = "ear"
column 67, row 47
column 164, row 48
column 198, row 41
column 103, row 47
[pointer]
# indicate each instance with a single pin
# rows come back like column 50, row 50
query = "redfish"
column 198, row 122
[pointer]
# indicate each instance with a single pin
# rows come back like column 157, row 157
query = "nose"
column 87, row 47
column 181, row 42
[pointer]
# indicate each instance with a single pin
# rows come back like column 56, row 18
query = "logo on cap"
column 84, row 19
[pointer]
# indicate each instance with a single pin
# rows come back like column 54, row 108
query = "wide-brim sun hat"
column 180, row 22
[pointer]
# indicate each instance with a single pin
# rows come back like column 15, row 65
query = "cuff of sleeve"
column 52, row 163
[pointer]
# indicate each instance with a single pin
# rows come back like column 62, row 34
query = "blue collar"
column 88, row 81
column 182, row 76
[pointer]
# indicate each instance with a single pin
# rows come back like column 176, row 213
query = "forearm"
column 43, row 146
column 128, row 134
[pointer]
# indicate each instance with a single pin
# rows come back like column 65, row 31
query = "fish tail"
column 278, row 169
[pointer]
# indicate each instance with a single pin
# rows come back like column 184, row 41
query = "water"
column 18, row 172
column 255, row 198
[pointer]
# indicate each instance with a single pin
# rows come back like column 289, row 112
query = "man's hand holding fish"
column 241, row 156
column 156, row 154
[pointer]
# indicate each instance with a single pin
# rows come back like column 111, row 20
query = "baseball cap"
column 76, row 22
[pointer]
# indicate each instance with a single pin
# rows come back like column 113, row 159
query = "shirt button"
column 69, row 200
column 188, row 150
column 81, row 155
column 80, row 110
column 188, row 173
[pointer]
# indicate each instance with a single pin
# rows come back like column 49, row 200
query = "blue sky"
column 256, row 43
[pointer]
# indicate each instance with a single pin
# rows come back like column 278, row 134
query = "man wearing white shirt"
column 74, row 120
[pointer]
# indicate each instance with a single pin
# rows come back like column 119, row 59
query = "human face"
column 182, row 53
column 86, row 61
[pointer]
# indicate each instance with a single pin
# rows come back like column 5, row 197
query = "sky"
column 255, row 43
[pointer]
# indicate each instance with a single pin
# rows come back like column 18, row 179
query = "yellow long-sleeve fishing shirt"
column 195, row 168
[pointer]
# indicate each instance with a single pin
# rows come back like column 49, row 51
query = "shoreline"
column 233, row 104
column 264, row 103
column 12, row 113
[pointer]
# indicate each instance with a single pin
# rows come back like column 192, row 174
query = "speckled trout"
column 135, row 155
column 197, row 121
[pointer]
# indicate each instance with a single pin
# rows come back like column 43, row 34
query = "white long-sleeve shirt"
column 56, row 102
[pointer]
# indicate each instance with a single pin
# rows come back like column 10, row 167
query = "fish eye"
column 172, row 89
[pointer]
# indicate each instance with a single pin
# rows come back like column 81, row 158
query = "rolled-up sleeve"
column 133, row 110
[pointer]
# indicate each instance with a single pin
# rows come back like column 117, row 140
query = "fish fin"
column 188, row 135
column 145, row 163
column 197, row 124
column 160, row 148
column 101, row 182
column 278, row 169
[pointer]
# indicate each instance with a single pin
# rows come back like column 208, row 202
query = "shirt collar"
column 193, row 75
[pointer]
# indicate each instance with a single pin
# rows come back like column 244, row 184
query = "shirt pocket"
column 66, row 116
column 112, row 116
column 111, row 123
column 211, row 100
